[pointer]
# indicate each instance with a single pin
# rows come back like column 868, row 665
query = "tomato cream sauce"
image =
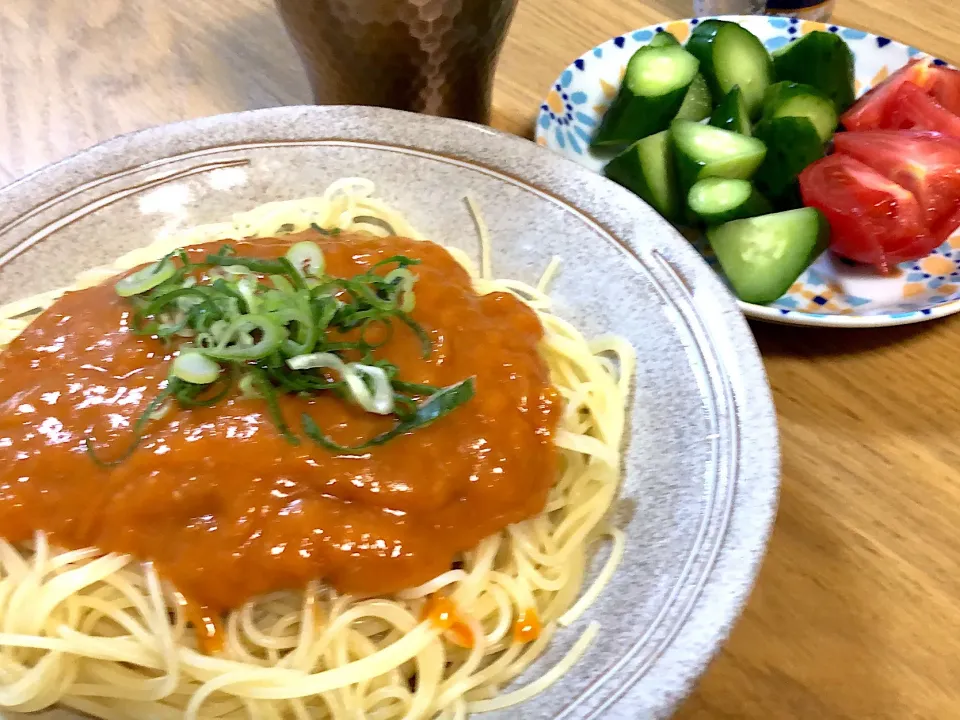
column 221, row 503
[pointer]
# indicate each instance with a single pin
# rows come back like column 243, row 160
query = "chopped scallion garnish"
column 272, row 326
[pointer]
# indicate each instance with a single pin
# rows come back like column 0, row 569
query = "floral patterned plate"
column 831, row 292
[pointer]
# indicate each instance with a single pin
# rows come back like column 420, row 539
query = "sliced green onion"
column 272, row 300
column 282, row 284
column 146, row 278
column 307, row 258
column 269, row 393
column 247, row 288
column 230, row 343
column 325, row 231
column 400, row 260
column 176, row 324
column 138, row 427
column 193, row 367
column 248, row 387
column 237, row 270
column 404, row 287
column 190, row 395
column 239, row 304
column 316, row 361
column 415, row 388
column 435, row 407
column 270, row 322
column 379, row 400
column 407, row 278
column 159, row 304
column 304, row 334
column 418, row 331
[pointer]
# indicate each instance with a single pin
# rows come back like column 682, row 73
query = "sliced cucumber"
column 703, row 151
column 731, row 55
column 646, row 168
column 698, row 102
column 719, row 200
column 792, row 144
column 731, row 114
column 820, row 59
column 663, row 39
column 653, row 89
column 790, row 99
column 763, row 256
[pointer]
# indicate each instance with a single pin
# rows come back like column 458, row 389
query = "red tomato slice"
column 912, row 109
column 868, row 112
column 925, row 163
column 872, row 219
column 944, row 86
column 946, row 227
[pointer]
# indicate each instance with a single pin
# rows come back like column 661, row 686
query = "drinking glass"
column 430, row 56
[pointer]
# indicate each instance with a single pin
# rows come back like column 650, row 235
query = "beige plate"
column 701, row 472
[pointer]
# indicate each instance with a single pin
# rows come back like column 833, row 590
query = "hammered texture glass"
column 430, row 56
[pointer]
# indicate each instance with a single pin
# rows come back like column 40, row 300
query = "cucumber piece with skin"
column 731, row 114
column 820, row 59
column 731, row 55
column 763, row 256
column 704, row 151
column 790, row 99
column 698, row 102
column 647, row 169
column 663, row 39
column 792, row 144
column 718, row 200
column 653, row 89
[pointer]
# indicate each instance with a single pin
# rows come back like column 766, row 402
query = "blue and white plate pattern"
column 831, row 292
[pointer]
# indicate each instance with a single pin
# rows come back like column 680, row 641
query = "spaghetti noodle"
column 102, row 634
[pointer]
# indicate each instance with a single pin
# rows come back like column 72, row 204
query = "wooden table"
column 857, row 610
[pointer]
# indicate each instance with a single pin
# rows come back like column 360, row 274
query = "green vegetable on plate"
column 731, row 55
column 698, row 102
column 790, row 99
column 703, row 151
column 792, row 144
column 731, row 113
column 822, row 60
column 663, row 39
column 718, row 200
column 654, row 87
column 762, row 256
column 647, row 169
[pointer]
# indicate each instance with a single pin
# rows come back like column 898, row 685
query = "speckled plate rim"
column 767, row 313
column 732, row 538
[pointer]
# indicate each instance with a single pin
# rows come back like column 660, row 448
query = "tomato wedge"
column 944, row 87
column 868, row 112
column 872, row 219
column 925, row 163
column 946, row 227
column 912, row 109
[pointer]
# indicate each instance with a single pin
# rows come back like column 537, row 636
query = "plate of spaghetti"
column 347, row 413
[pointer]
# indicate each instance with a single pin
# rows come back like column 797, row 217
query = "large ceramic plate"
column 830, row 292
column 701, row 473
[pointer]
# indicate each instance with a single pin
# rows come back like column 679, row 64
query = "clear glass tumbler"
column 806, row 9
column 430, row 56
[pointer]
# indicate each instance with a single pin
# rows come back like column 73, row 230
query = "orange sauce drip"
column 442, row 613
column 461, row 634
column 207, row 626
column 527, row 628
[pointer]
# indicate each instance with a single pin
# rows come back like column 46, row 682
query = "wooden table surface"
column 857, row 610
